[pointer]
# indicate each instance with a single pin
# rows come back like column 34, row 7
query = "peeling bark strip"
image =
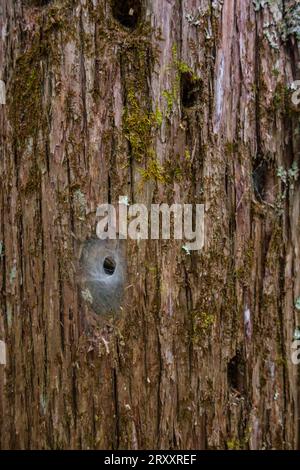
column 162, row 101
column 2, row 92
column 2, row 353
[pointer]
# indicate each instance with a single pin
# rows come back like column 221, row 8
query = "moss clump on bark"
column 154, row 171
column 25, row 96
column 140, row 120
column 137, row 125
column 202, row 323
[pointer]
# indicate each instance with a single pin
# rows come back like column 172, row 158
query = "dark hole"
column 190, row 89
column 38, row 3
column 259, row 176
column 109, row 266
column 127, row 12
column 236, row 373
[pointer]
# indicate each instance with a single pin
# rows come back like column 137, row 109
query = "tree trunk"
column 186, row 101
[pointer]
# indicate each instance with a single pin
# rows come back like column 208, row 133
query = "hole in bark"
column 109, row 266
column 101, row 275
column 127, row 12
column 260, row 178
column 190, row 89
column 236, row 372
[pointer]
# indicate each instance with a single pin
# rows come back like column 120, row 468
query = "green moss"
column 170, row 97
column 24, row 105
column 231, row 148
column 234, row 444
column 139, row 120
column 154, row 171
column 173, row 169
column 26, row 92
column 137, row 125
column 178, row 167
column 275, row 72
column 202, row 323
column 180, row 68
column 281, row 361
column 158, row 116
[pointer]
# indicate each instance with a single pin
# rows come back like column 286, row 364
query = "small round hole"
column 109, row 266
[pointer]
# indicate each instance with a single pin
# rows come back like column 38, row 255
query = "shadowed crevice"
column 190, row 90
column 127, row 12
column 38, row 3
column 236, row 373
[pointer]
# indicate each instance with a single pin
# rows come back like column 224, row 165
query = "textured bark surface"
column 184, row 101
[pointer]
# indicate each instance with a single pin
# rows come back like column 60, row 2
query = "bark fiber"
column 187, row 102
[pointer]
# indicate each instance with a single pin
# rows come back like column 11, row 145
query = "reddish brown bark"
column 174, row 105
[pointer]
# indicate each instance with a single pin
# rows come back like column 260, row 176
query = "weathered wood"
column 179, row 101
